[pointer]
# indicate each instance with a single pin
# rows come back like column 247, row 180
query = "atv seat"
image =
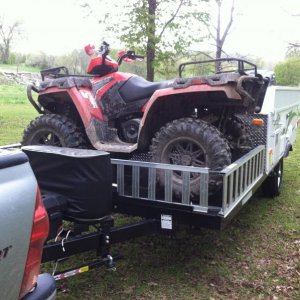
column 137, row 88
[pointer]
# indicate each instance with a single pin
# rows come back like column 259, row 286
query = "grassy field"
column 15, row 68
column 256, row 257
column 15, row 113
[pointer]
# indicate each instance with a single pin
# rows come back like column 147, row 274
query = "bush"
column 288, row 72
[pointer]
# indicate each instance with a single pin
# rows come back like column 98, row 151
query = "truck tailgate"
column 17, row 200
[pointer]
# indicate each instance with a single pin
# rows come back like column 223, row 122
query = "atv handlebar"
column 139, row 56
column 104, row 50
column 129, row 54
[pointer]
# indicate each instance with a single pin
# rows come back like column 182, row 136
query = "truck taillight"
column 40, row 230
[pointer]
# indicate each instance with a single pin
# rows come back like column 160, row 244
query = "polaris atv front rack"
column 55, row 72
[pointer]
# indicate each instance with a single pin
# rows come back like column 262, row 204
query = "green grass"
column 15, row 113
column 255, row 257
column 14, row 94
column 19, row 68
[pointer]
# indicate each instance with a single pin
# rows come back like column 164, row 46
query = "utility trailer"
column 71, row 178
column 272, row 132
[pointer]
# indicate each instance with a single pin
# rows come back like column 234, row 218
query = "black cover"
column 84, row 177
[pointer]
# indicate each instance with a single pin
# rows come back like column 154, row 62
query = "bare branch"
column 171, row 19
column 228, row 25
column 295, row 45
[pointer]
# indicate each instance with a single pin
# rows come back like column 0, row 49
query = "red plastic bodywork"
column 97, row 63
column 85, row 102
column 88, row 106
column 197, row 88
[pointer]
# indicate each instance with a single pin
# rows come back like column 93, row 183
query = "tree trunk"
column 151, row 43
column 218, row 38
column 6, row 55
column 218, row 55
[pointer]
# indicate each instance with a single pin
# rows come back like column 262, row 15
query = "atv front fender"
column 82, row 99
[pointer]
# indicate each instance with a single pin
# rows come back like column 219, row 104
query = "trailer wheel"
column 272, row 185
column 190, row 142
column 53, row 130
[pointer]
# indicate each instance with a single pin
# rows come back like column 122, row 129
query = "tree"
column 7, row 34
column 293, row 49
column 216, row 33
column 76, row 61
column 288, row 72
column 40, row 60
column 159, row 28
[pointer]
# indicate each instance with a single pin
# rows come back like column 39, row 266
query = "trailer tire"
column 53, row 130
column 271, row 187
column 190, row 142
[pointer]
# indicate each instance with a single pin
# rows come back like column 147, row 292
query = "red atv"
column 187, row 121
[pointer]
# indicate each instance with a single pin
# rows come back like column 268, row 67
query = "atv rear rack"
column 226, row 68
column 136, row 180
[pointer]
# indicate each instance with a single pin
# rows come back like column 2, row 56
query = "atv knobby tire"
column 190, row 142
column 53, row 130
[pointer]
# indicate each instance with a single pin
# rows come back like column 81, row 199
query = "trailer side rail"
column 240, row 178
column 136, row 179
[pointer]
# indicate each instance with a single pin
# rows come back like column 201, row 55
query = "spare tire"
column 190, row 142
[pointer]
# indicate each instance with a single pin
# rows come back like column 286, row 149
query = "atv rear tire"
column 53, row 130
column 190, row 142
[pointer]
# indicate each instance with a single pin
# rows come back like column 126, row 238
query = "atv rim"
column 185, row 152
column 47, row 138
